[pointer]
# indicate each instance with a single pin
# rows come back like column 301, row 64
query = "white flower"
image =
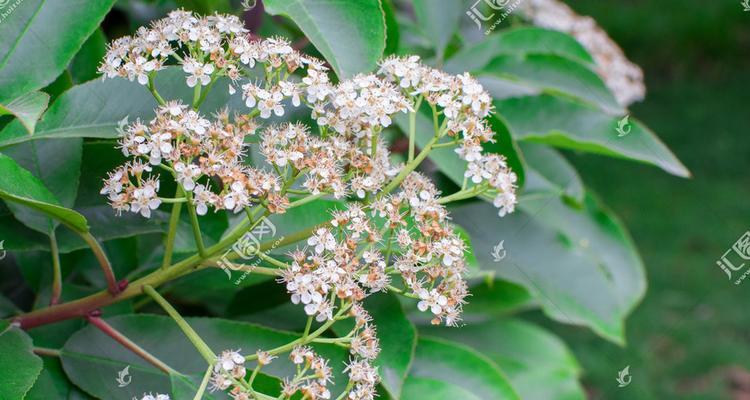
column 187, row 174
column 322, row 240
column 432, row 300
column 198, row 72
column 270, row 102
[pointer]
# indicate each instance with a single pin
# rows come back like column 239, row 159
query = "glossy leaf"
column 518, row 41
column 459, row 368
column 84, row 66
column 349, row 34
column 538, row 364
column 579, row 264
column 438, row 21
column 418, row 388
column 41, row 37
column 57, row 163
column 552, row 73
column 19, row 366
column 27, row 108
column 548, row 172
column 90, row 110
column 51, row 384
column 91, row 359
column 18, row 185
column 561, row 122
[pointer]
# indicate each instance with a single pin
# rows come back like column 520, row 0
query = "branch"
column 101, row 257
column 56, row 273
column 128, row 344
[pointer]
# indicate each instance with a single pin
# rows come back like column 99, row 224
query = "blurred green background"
column 690, row 337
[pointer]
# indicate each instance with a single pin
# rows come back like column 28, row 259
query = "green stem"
column 463, row 194
column 413, row 129
column 177, row 200
column 253, row 375
column 152, row 89
column 349, row 387
column 43, row 351
column 193, row 336
column 306, row 200
column 174, row 219
column 196, row 226
column 83, row 306
column 205, row 92
column 196, row 95
column 204, row 383
column 408, row 168
column 303, row 340
column 101, row 257
column 307, row 327
column 56, row 272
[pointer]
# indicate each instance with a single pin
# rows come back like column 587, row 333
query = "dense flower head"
column 393, row 232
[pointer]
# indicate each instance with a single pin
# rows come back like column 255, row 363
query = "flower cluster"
column 344, row 262
column 465, row 104
column 314, row 385
column 196, row 151
column 622, row 77
column 394, row 234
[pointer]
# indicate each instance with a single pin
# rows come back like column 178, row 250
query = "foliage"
column 561, row 251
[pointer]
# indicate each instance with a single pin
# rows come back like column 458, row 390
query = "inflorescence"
column 394, row 224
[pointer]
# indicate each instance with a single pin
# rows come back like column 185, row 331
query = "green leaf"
column 305, row 216
column 552, row 73
column 52, row 383
column 548, row 172
column 84, row 66
column 90, row 110
column 349, row 34
column 19, row 366
column 18, row 237
column 27, row 108
column 568, row 124
column 92, row 359
column 418, row 388
column 518, row 41
column 392, row 33
column 106, row 225
column 538, row 364
column 20, row 186
column 57, row 163
column 41, row 37
column 461, row 369
column 398, row 339
column 438, row 22
column 579, row 264
column 496, row 298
